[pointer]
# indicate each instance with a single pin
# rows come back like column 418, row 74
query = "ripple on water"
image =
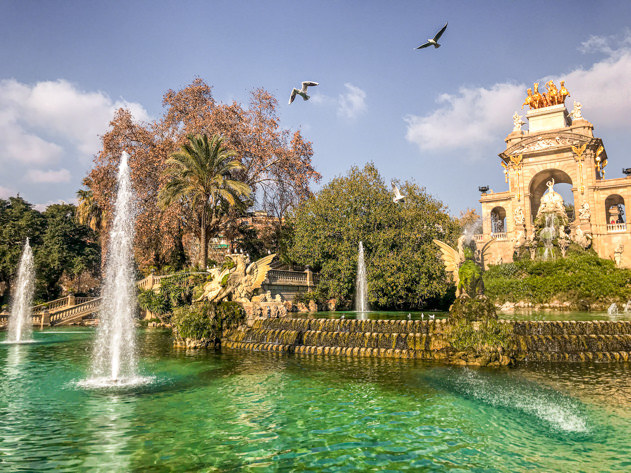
column 115, row 384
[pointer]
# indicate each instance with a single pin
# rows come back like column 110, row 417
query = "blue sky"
column 438, row 117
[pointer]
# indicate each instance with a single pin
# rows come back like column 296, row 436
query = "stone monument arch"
column 558, row 146
column 538, row 186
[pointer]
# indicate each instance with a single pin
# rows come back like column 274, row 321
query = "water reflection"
column 14, row 405
column 108, row 433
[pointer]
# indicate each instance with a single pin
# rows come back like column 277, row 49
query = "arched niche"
column 614, row 209
column 538, row 187
column 498, row 220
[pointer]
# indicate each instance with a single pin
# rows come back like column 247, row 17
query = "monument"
column 471, row 303
column 559, row 147
column 238, row 280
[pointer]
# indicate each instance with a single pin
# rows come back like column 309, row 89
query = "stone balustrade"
column 501, row 236
column 80, row 310
column 616, row 227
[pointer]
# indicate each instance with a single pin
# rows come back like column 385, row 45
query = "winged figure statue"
column 239, row 280
column 467, row 274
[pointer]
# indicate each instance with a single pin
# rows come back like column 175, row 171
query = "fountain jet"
column 114, row 360
column 361, row 286
column 20, row 323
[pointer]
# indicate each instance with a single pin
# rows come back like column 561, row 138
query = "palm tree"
column 200, row 174
column 91, row 214
column 88, row 211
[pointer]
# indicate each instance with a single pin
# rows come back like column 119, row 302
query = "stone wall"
column 600, row 341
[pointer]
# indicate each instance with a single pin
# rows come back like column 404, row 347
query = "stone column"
column 309, row 277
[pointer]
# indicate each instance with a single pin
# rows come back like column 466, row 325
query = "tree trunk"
column 203, row 242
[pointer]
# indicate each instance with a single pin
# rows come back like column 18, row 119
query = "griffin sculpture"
column 239, row 280
column 461, row 264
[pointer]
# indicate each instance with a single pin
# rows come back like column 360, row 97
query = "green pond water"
column 243, row 411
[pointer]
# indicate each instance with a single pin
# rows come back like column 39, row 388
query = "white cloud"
column 476, row 117
column 6, row 192
column 37, row 175
column 43, row 207
column 40, row 123
column 469, row 119
column 604, row 90
column 351, row 103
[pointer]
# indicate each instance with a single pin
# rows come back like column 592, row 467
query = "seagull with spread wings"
column 302, row 92
column 397, row 194
column 434, row 40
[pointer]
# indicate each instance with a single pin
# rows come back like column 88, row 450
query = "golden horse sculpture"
column 240, row 281
column 553, row 96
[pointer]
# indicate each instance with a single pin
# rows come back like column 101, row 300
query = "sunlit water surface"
column 242, row 411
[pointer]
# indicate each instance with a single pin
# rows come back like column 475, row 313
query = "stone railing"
column 152, row 281
column 295, row 278
column 58, row 304
column 499, row 236
column 478, row 237
column 76, row 311
column 617, row 227
column 149, row 282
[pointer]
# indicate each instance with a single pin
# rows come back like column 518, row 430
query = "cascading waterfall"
column 20, row 323
column 114, row 360
column 547, row 236
column 361, row 286
column 613, row 309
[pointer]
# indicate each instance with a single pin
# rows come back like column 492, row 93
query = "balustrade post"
column 309, row 277
column 71, row 300
column 45, row 319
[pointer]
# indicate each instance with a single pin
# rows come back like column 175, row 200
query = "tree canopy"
column 276, row 162
column 60, row 245
column 402, row 263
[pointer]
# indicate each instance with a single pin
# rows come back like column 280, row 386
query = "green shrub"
column 491, row 333
column 175, row 290
column 578, row 277
column 206, row 320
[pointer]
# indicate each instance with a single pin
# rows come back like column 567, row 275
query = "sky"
column 435, row 116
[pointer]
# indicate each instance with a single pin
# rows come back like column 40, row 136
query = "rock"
column 438, row 344
column 507, row 306
column 313, row 307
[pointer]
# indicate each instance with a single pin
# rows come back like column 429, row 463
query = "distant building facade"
column 559, row 147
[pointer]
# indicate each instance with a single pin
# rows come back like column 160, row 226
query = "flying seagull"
column 397, row 194
column 434, row 40
column 302, row 92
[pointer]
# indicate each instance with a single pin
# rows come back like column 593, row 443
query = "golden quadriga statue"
column 553, row 96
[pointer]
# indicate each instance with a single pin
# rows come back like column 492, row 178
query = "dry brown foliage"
column 278, row 164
